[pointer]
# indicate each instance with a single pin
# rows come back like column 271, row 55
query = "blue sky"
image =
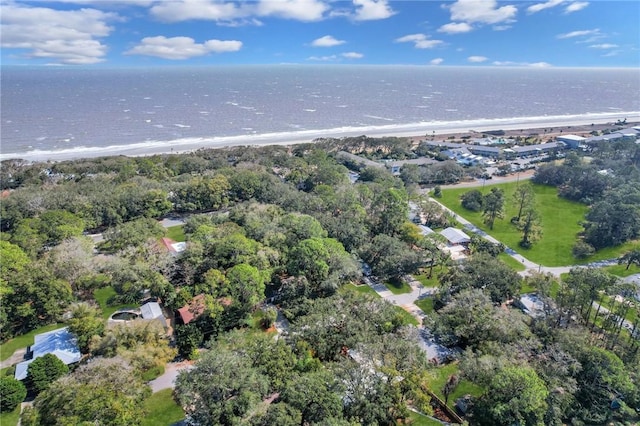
column 99, row 33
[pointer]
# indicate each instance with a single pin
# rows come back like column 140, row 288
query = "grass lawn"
column 102, row 296
column 406, row 316
column 398, row 287
column 560, row 222
column 426, row 304
column 176, row 233
column 439, row 378
column 9, row 347
column 417, row 419
column 430, row 282
column 11, row 418
column 161, row 409
column 621, row 271
column 511, row 262
column 363, row 288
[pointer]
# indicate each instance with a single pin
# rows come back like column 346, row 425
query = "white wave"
column 182, row 126
column 304, row 136
column 309, row 110
column 378, row 118
column 342, row 106
column 451, row 109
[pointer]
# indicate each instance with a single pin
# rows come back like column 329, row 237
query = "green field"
column 510, row 261
column 622, row 271
column 439, row 377
column 426, row 304
column 560, row 222
column 430, row 282
column 11, row 418
column 102, row 296
column 398, row 287
column 418, row 419
column 176, row 233
column 161, row 409
column 407, row 318
column 363, row 288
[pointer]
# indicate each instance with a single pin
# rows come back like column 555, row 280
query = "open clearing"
column 560, row 222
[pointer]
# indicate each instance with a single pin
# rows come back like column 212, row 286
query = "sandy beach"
column 545, row 127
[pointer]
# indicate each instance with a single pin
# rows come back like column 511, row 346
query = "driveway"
column 168, row 379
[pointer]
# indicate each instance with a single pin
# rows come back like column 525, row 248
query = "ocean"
column 76, row 112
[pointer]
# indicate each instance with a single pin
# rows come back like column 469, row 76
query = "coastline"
column 552, row 126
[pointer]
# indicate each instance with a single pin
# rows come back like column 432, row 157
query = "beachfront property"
column 627, row 134
column 572, row 141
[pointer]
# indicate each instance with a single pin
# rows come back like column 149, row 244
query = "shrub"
column 13, row 392
column 582, row 250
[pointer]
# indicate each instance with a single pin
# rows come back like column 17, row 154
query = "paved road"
column 168, row 379
column 524, row 175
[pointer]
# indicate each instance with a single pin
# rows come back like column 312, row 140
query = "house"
column 151, row 311
column 485, row 151
column 61, row 343
column 572, row 141
column 455, row 236
column 174, row 247
column 191, row 310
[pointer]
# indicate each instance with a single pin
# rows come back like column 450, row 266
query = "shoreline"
column 578, row 124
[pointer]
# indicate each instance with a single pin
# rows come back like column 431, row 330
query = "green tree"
column 188, row 339
column 390, row 258
column 493, row 206
column 13, row 392
column 281, row 414
column 530, row 226
column 221, row 389
column 484, row 272
column 524, row 197
column 43, row 371
column 631, row 257
column 472, row 200
column 104, row 392
column 316, row 395
column 85, row 322
column 516, row 395
column 246, row 285
column 132, row 233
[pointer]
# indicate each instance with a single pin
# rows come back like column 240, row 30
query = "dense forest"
column 282, row 235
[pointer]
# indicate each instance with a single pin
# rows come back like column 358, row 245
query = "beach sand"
column 546, row 128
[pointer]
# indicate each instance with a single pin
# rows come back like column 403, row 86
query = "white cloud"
column 522, row 64
column 501, row 27
column 184, row 10
column 67, row 36
column 485, row 11
column 575, row 7
column 436, row 61
column 477, row 59
column 371, row 10
column 455, row 28
column 538, row 7
column 246, row 12
column 580, row 33
column 420, row 41
column 323, row 58
column 327, row 41
column 352, row 55
column 604, row 46
column 177, row 48
column 301, row 10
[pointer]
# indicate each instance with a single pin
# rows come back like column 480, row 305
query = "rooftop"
column 59, row 342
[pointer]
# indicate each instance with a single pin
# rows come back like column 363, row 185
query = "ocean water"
column 85, row 112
